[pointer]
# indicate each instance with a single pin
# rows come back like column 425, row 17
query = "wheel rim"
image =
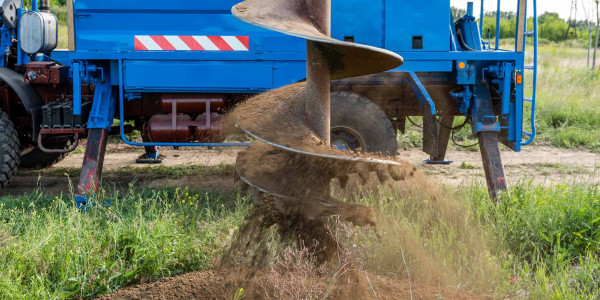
column 346, row 138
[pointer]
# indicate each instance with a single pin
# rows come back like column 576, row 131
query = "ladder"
column 521, row 47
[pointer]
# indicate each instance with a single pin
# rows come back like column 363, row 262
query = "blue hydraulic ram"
column 171, row 69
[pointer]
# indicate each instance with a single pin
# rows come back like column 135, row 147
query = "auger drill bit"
column 292, row 159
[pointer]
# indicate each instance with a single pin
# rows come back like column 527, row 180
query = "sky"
column 562, row 7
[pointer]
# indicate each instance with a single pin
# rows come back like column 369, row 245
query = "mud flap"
column 492, row 162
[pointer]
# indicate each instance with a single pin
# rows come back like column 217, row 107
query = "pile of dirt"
column 224, row 283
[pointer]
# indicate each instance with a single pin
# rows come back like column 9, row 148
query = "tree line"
column 551, row 27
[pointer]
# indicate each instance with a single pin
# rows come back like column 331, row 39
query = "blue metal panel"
column 112, row 25
column 428, row 19
column 357, row 19
column 205, row 76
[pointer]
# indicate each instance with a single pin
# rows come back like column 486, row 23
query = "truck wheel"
column 9, row 150
column 38, row 159
column 358, row 123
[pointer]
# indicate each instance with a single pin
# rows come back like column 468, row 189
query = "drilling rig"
column 172, row 70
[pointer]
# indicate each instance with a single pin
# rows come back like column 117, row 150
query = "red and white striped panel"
column 191, row 43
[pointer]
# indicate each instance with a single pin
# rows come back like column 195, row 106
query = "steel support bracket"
column 430, row 128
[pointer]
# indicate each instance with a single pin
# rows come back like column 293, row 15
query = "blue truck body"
column 105, row 33
column 131, row 50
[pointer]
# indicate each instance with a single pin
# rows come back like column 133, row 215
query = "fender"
column 30, row 98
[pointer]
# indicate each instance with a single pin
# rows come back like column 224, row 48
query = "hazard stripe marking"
column 191, row 43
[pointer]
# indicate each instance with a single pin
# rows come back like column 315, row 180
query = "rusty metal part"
column 93, row 161
column 192, row 103
column 492, row 163
column 171, row 128
column 303, row 19
column 70, row 149
column 47, row 131
column 45, row 72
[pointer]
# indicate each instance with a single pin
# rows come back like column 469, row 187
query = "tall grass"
column 568, row 112
column 536, row 242
column 548, row 237
column 51, row 250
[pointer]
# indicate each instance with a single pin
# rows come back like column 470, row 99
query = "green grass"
column 547, row 237
column 50, row 250
column 568, row 112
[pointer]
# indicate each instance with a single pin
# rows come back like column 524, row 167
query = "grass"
column 50, row 250
column 549, row 238
column 568, row 113
column 537, row 242
column 546, row 237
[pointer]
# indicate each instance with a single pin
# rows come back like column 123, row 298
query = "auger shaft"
column 318, row 77
column 317, row 107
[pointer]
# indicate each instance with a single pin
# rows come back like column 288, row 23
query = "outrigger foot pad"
column 150, row 158
column 437, row 162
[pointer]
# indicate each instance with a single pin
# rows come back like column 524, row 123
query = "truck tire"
column 38, row 159
column 9, row 150
column 358, row 123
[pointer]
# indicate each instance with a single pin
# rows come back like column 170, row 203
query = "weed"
column 466, row 166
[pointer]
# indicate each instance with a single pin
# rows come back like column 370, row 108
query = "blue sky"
column 560, row 6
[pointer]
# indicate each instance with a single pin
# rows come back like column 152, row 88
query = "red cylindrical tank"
column 192, row 104
column 208, row 128
column 169, row 129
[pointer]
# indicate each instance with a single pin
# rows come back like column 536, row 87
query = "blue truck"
column 171, row 69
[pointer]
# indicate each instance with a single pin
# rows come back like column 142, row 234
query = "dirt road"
column 543, row 165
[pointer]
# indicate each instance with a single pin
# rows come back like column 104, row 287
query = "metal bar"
column 128, row 142
column 70, row 149
column 422, row 93
column 492, row 162
column 443, row 138
column 93, row 161
column 535, row 72
column 20, row 59
column 318, row 77
column 76, row 66
column 498, row 26
column 71, row 25
column 481, row 16
column 506, row 89
column 521, row 26
column 430, row 128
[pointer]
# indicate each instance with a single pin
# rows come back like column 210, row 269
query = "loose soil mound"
column 223, row 284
